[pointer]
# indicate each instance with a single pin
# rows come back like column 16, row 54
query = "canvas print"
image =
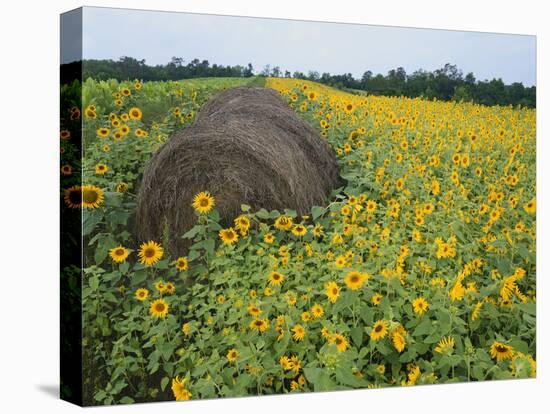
column 262, row 206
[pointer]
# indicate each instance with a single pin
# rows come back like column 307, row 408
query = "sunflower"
column 118, row 254
column 445, row 345
column 170, row 288
column 345, row 210
column 203, row 202
column 285, row 363
column 232, row 355
column 121, row 187
column 150, row 253
column 283, row 223
column 268, row 238
column 141, row 294
column 106, row 148
column 276, row 279
column 354, row 280
column 332, row 290
column 340, row 341
column 65, row 134
column 299, row 333
column 398, row 338
column 135, row 113
column 317, row 230
column 501, row 351
column 103, row 132
column 92, row 196
column 90, row 112
column 242, row 223
column 420, row 305
column 178, row 388
column 376, row 299
column 182, row 264
column 340, row 261
column 160, row 286
column 159, row 308
column 317, row 311
column 101, row 169
column 66, row 170
column 531, row 206
column 73, row 197
column 348, row 108
column 379, row 330
column 125, row 92
column 259, row 325
column 228, row 236
column 253, row 310
column 75, row 113
column 371, row 206
column 299, row 230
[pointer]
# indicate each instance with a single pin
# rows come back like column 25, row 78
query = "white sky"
column 298, row 45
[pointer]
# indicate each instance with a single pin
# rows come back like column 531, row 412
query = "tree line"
column 447, row 83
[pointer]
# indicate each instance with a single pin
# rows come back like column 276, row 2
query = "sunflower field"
column 420, row 270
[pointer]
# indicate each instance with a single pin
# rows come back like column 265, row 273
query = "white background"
column 29, row 173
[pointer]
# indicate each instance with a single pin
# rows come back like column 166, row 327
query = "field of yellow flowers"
column 421, row 270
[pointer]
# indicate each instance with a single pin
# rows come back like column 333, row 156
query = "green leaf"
column 357, row 335
column 90, row 220
column 127, row 400
column 164, row 383
column 193, row 232
column 263, row 214
column 124, row 267
column 317, row 212
column 423, row 328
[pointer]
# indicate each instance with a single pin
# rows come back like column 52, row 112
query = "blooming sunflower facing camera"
column 150, row 253
column 203, row 202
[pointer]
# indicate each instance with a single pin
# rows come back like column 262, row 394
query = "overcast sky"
column 303, row 46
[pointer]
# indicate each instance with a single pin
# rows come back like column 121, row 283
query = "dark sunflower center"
column 355, row 279
column 338, row 341
column 204, row 202
column 160, row 307
column 75, row 196
column 90, row 196
column 501, row 349
column 119, row 252
column 378, row 328
column 149, row 252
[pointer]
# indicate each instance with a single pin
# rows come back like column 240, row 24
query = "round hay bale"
column 247, row 146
